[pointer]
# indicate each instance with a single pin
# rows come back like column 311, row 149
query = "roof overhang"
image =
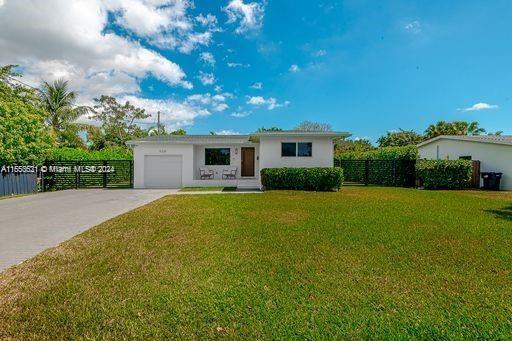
column 232, row 139
column 465, row 138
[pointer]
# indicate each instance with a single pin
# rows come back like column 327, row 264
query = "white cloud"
column 172, row 114
column 480, row 106
column 220, row 107
column 257, row 86
column 233, row 65
column 248, row 15
column 60, row 38
column 294, row 68
column 413, row 27
column 207, row 58
column 164, row 23
column 320, row 53
column 227, row 132
column 206, row 78
column 215, row 103
column 209, row 21
column 271, row 103
column 240, row 114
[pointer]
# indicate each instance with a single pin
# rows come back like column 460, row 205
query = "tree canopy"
column 23, row 136
column 313, row 126
column 453, row 128
column 118, row 123
column 399, row 138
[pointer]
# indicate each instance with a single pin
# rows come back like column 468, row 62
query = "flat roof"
column 494, row 139
column 239, row 139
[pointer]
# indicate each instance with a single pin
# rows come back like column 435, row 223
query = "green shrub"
column 384, row 153
column 113, row 153
column 444, row 174
column 303, row 179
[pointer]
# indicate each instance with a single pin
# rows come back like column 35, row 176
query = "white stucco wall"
column 270, row 152
column 236, row 159
column 492, row 157
column 186, row 150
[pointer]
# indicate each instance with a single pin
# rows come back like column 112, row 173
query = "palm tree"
column 453, row 128
column 59, row 102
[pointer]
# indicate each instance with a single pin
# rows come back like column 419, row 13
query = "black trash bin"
column 491, row 180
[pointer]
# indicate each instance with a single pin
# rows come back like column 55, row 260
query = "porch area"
column 233, row 165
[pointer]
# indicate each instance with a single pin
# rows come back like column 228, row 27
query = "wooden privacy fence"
column 400, row 173
column 17, row 183
column 59, row 175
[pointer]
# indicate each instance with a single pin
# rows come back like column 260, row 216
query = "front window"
column 288, row 149
column 217, row 156
column 305, row 149
column 301, row 149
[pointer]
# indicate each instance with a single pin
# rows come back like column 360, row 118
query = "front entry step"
column 246, row 184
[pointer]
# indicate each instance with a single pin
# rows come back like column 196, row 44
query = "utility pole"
column 158, row 124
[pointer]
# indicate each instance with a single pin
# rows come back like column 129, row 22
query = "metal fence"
column 59, row 175
column 17, row 183
column 400, row 173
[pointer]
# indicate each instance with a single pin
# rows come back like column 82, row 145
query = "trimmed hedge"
column 444, row 174
column 302, row 179
column 112, row 153
column 384, row 153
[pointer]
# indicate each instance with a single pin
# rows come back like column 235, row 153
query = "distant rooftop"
column 496, row 139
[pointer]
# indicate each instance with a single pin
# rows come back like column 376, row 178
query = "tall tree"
column 453, row 128
column 313, row 126
column 23, row 136
column 59, row 104
column 399, row 138
column 118, row 123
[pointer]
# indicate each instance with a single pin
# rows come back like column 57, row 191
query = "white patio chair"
column 205, row 174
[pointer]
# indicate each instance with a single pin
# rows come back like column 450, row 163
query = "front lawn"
column 362, row 262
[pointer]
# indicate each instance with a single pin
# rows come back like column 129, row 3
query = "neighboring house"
column 493, row 152
column 226, row 160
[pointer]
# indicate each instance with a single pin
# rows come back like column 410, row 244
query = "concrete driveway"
column 31, row 224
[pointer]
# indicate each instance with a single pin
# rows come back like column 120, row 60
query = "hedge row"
column 444, row 174
column 305, row 179
column 384, row 153
column 113, row 153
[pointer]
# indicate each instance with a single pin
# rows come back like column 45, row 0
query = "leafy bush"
column 384, row 153
column 305, row 179
column 444, row 174
column 24, row 140
column 113, row 153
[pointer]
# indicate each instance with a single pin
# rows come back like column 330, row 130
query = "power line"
column 17, row 80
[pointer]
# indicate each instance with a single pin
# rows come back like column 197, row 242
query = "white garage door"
column 162, row 171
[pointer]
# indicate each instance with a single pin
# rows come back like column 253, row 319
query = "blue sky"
column 363, row 66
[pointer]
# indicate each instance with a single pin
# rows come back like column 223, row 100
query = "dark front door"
column 247, row 161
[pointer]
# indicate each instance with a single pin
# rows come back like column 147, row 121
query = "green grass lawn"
column 362, row 262
column 208, row 188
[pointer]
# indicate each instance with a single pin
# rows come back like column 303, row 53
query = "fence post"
column 77, row 175
column 104, row 174
column 366, row 172
column 394, row 172
column 131, row 173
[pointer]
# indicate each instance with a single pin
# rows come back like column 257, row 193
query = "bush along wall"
column 444, row 174
column 384, row 153
column 302, row 179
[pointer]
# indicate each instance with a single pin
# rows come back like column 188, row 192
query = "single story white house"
column 173, row 161
column 494, row 152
